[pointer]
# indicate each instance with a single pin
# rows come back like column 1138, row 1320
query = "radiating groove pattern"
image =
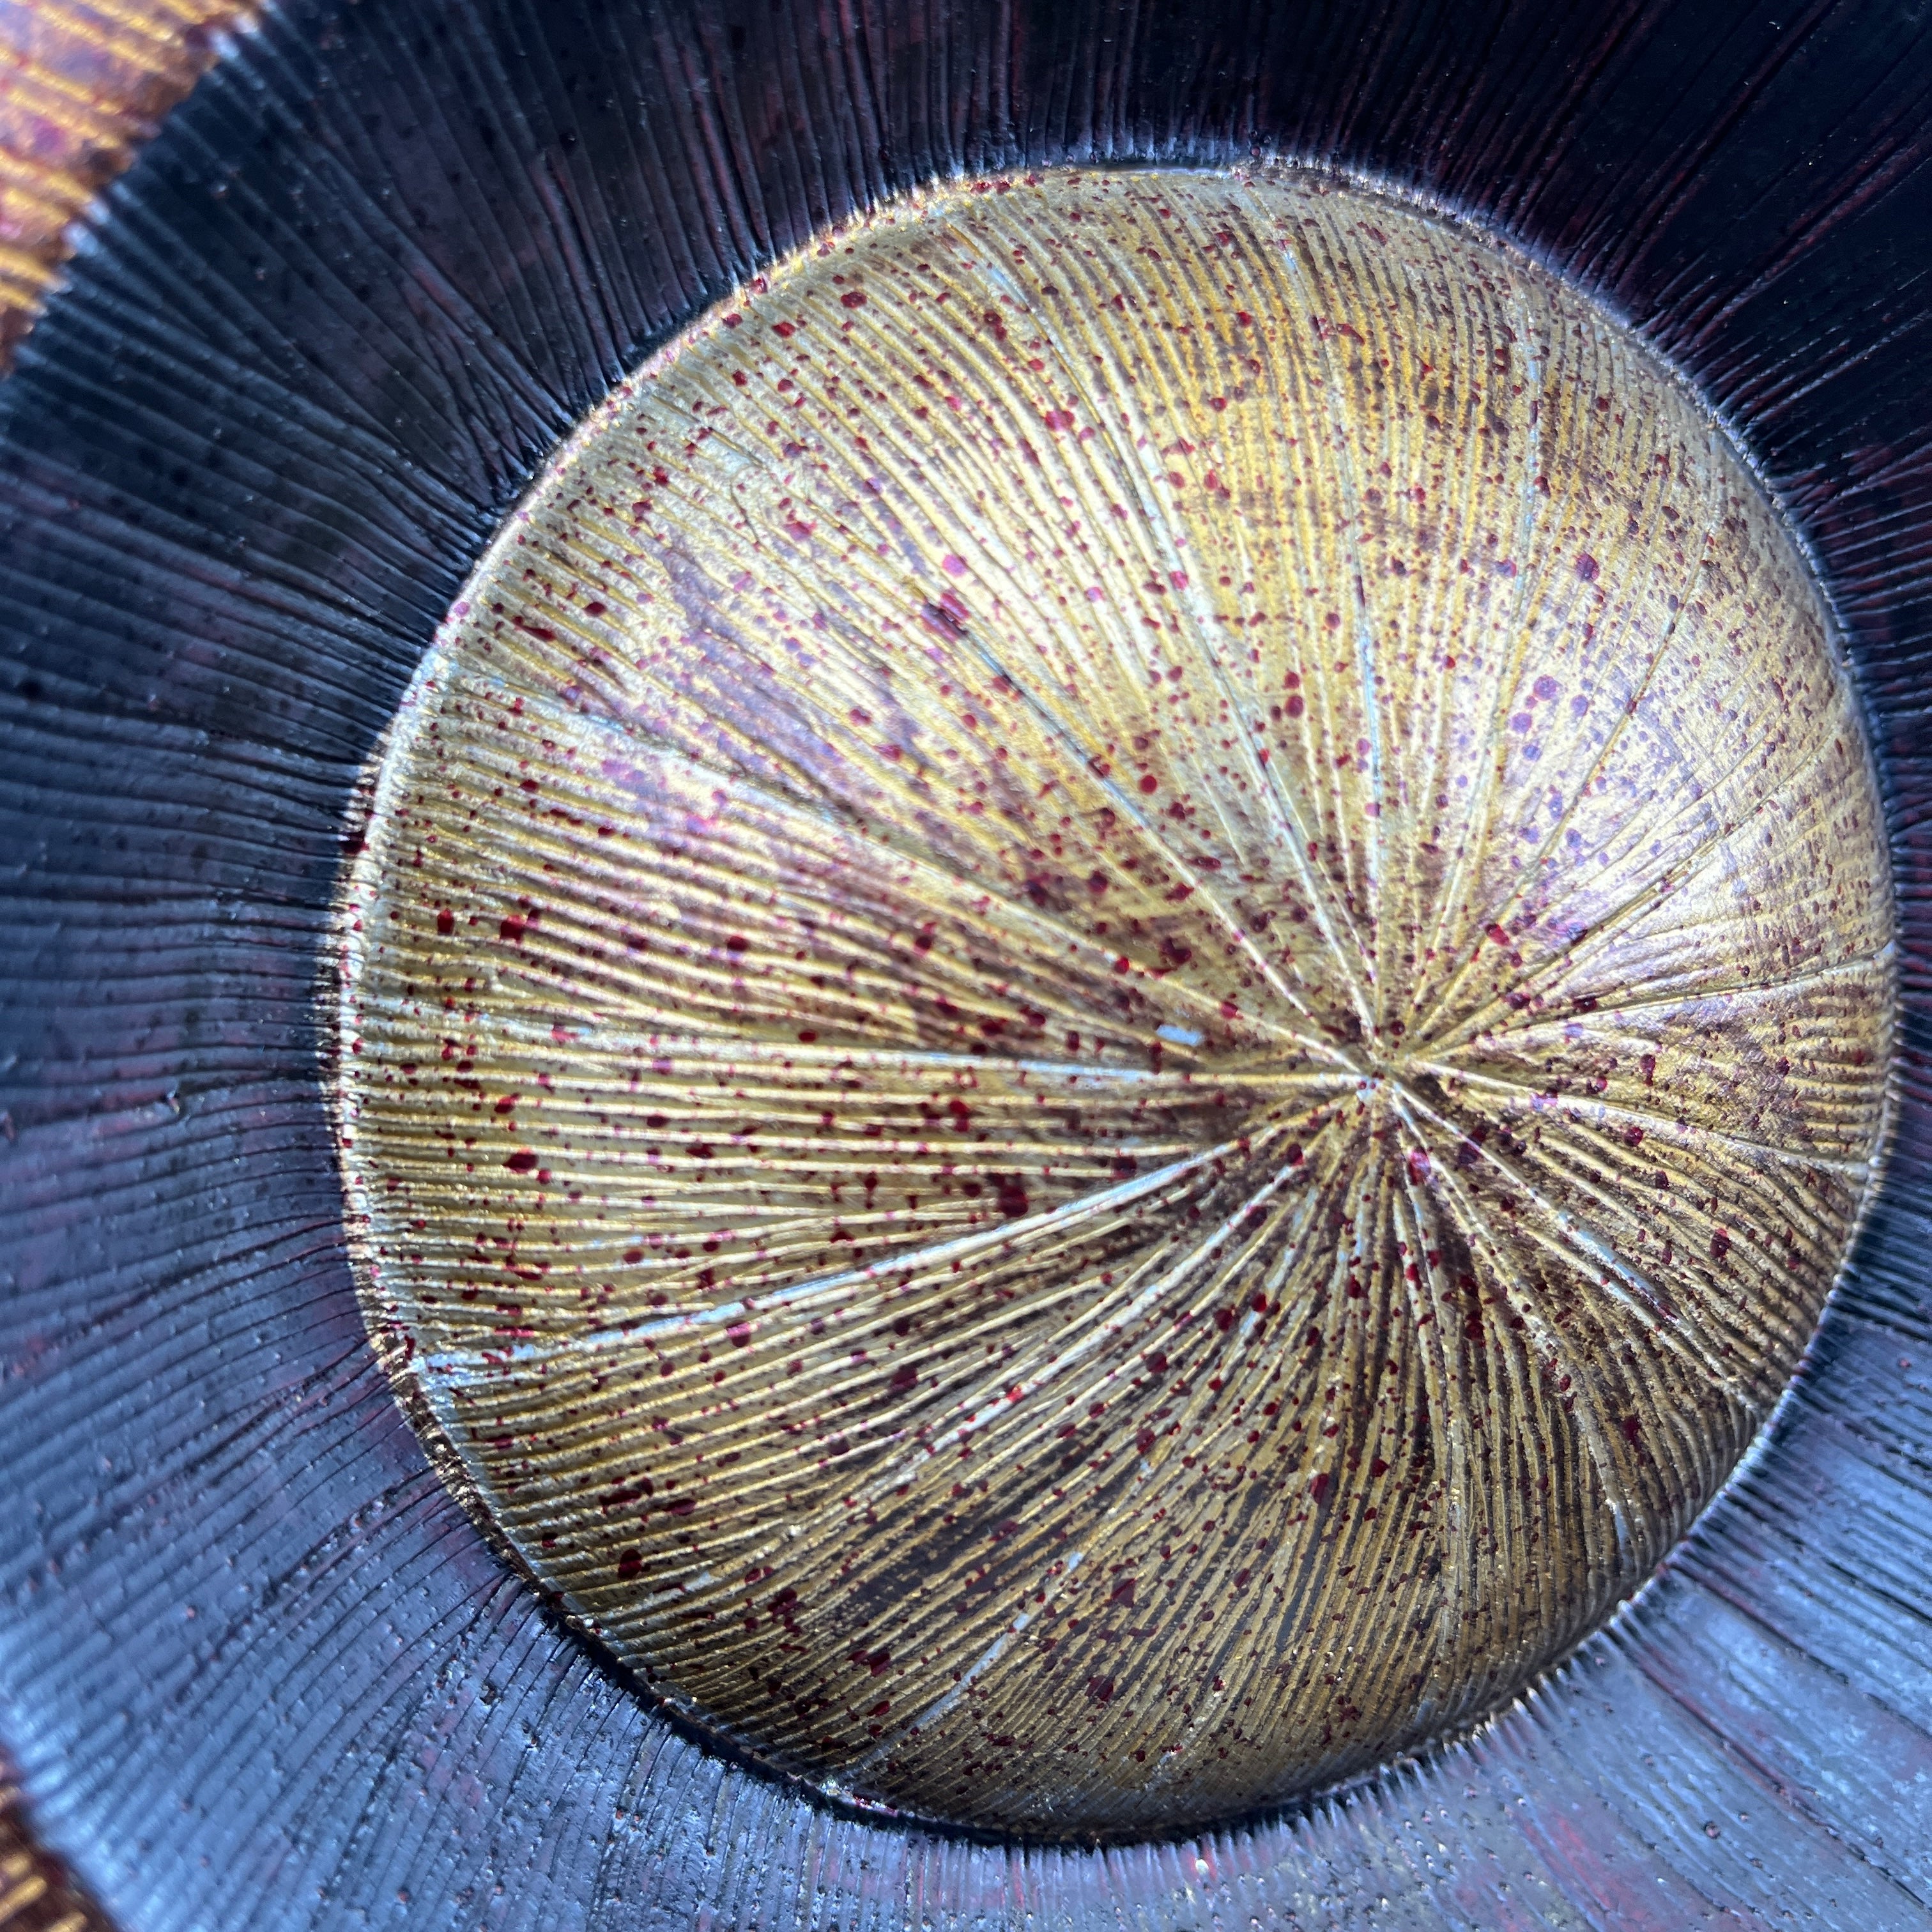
column 1115, row 1004
column 83, row 84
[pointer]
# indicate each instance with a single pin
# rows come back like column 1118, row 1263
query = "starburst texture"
column 1118, row 997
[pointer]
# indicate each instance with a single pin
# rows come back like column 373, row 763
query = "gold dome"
column 1117, row 998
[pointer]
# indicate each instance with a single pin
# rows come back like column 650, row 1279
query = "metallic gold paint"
column 36, row 1893
column 83, row 85
column 1117, row 999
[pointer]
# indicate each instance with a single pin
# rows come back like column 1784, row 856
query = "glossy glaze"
column 1117, row 998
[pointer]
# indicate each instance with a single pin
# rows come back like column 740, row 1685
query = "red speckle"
column 737, row 943
column 1294, row 707
column 1149, row 782
column 1632, row 1429
column 1318, row 1487
column 1122, row 1593
column 512, row 929
column 1012, row 1196
column 1721, row 1244
column 852, row 298
column 1143, row 1442
column 1588, row 569
column 1058, row 418
column 1496, row 933
column 633, row 1255
column 629, row 1564
column 445, row 921
column 953, row 566
column 524, row 1161
column 507, row 1104
column 593, row 609
column 681, row 1506
column 1377, row 1468
column 1100, row 1689
column 905, row 1379
column 738, row 1334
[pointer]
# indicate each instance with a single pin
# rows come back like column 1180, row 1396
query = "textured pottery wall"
column 257, row 1666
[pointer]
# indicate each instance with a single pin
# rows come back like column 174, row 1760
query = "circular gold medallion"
column 1118, row 998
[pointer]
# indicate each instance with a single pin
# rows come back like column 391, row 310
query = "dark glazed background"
column 259, row 1671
